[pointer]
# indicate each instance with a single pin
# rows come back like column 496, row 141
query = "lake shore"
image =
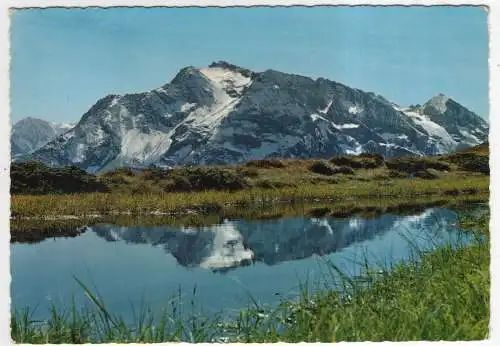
column 33, row 229
column 353, row 193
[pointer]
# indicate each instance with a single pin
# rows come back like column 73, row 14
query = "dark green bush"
column 155, row 174
column 397, row 174
column 123, row 171
column 425, row 174
column 266, row 163
column 204, row 178
column 33, row 177
column 471, row 162
column 416, row 164
column 114, row 180
column 250, row 172
column 325, row 168
column 322, row 167
column 343, row 170
column 365, row 160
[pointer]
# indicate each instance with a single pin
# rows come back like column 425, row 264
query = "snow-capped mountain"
column 30, row 134
column 227, row 114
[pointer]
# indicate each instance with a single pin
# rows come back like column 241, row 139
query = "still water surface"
column 227, row 263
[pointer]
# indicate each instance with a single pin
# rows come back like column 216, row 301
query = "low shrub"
column 416, row 164
column 397, row 174
column 123, row 171
column 140, row 188
column 250, row 172
column 35, row 178
column 114, row 180
column 154, row 174
column 322, row 167
column 325, row 168
column 204, row 178
column 426, row 174
column 471, row 162
column 365, row 160
column 266, row 163
column 343, row 170
column 177, row 183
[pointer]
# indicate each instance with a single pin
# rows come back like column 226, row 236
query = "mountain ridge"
column 223, row 114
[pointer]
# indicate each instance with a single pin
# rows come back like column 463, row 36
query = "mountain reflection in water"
column 238, row 243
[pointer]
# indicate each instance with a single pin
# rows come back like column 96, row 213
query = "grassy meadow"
column 345, row 181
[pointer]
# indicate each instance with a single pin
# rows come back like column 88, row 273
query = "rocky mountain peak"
column 436, row 105
column 225, row 114
column 228, row 66
column 186, row 73
column 230, row 78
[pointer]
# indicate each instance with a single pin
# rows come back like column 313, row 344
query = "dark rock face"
column 226, row 114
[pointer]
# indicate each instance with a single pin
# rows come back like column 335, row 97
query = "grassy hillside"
column 347, row 179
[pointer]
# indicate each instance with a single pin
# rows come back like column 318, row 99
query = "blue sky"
column 64, row 60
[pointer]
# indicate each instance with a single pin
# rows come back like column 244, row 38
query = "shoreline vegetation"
column 346, row 182
column 36, row 229
column 437, row 295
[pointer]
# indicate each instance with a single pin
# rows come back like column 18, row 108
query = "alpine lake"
column 220, row 267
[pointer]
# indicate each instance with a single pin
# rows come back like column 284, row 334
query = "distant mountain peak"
column 226, row 114
column 186, row 72
column 228, row 66
column 30, row 120
column 437, row 104
column 30, row 134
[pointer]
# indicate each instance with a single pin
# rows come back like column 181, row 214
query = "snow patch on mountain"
column 469, row 137
column 355, row 149
column 143, row 147
column 208, row 118
column 315, row 117
column 327, row 108
column 114, row 101
column 345, row 126
column 186, row 107
column 80, row 153
column 61, row 128
column 355, row 110
column 430, row 127
column 226, row 78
